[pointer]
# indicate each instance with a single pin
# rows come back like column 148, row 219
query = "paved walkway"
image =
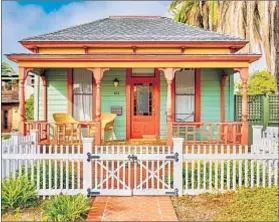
column 135, row 208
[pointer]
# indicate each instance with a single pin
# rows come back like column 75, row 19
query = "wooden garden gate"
column 132, row 170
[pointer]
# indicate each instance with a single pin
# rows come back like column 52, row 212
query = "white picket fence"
column 141, row 170
column 218, row 169
column 13, row 145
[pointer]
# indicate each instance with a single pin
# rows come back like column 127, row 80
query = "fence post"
column 257, row 134
column 178, row 165
column 87, row 143
column 34, row 137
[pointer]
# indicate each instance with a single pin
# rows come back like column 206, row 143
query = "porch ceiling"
column 133, row 60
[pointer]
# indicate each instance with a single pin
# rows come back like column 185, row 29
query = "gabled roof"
column 134, row 28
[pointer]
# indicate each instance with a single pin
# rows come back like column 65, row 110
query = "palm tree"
column 252, row 20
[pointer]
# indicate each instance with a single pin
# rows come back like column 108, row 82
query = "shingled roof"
column 136, row 28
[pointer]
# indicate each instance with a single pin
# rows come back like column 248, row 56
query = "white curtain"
column 185, row 96
column 82, row 94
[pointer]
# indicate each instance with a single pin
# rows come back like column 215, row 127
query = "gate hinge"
column 174, row 157
column 173, row 193
column 90, row 157
column 92, row 193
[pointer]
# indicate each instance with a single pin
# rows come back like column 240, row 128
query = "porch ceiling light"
column 115, row 82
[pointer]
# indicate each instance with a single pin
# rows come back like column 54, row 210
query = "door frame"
column 129, row 80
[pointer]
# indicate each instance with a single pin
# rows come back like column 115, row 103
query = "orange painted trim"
column 134, row 57
column 157, row 102
column 128, row 103
column 70, row 91
column 94, row 86
column 33, row 44
column 173, row 98
column 198, row 95
column 44, row 80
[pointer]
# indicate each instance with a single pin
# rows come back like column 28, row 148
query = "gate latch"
column 133, row 158
column 92, row 157
column 173, row 193
column 92, row 193
column 173, row 157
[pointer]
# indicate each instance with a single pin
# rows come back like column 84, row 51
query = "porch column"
column 98, row 74
column 44, row 80
column 23, row 72
column 169, row 75
column 245, row 127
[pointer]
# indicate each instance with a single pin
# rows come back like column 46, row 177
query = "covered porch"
column 150, row 106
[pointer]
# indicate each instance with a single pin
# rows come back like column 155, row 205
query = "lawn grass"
column 258, row 204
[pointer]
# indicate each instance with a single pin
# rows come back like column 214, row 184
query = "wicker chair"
column 66, row 127
column 107, row 121
column 107, row 124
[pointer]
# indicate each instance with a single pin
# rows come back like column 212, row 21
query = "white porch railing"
column 266, row 138
column 141, row 170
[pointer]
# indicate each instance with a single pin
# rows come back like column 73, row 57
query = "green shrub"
column 5, row 137
column 67, row 208
column 52, row 173
column 18, row 193
column 258, row 204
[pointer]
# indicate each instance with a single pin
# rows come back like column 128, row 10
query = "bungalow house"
column 161, row 78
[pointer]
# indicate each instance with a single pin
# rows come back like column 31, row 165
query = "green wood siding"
column 163, row 106
column 210, row 95
column 110, row 98
column 229, row 99
column 56, row 92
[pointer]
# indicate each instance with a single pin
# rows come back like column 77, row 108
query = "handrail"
column 61, row 132
column 209, row 132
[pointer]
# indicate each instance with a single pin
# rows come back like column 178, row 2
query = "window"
column 142, row 99
column 185, row 96
column 6, row 122
column 82, row 94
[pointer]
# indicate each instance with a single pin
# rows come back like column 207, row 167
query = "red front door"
column 144, row 107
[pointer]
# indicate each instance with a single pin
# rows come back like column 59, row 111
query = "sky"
column 22, row 19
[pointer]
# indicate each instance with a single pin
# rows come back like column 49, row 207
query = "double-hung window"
column 82, row 94
column 185, row 96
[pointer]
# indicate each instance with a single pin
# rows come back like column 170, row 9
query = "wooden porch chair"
column 66, row 127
